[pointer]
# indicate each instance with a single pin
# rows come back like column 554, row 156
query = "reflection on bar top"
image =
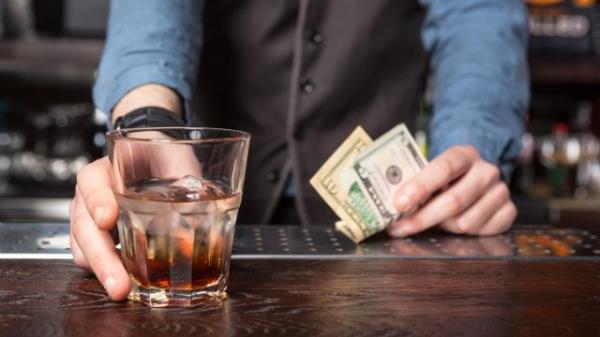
column 46, row 240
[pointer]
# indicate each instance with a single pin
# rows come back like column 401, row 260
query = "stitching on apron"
column 290, row 162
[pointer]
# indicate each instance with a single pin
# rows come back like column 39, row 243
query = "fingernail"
column 109, row 284
column 98, row 216
column 402, row 203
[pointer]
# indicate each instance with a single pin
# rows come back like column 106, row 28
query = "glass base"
column 159, row 298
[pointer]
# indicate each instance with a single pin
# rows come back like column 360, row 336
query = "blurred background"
column 49, row 50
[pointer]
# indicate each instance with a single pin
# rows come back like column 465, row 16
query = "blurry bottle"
column 559, row 153
column 17, row 17
column 587, row 183
column 582, row 118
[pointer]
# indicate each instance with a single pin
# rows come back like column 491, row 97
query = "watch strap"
column 148, row 117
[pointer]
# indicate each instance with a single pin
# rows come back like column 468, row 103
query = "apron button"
column 307, row 86
column 273, row 176
column 314, row 36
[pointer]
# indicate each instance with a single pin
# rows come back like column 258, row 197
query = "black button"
column 273, row 176
column 307, row 86
column 299, row 133
column 314, row 36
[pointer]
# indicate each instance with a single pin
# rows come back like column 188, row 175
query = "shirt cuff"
column 495, row 144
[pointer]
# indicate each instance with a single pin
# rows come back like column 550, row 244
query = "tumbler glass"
column 178, row 190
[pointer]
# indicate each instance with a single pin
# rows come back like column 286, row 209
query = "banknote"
column 360, row 177
column 393, row 158
column 339, row 186
column 345, row 229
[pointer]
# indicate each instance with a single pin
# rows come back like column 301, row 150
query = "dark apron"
column 300, row 76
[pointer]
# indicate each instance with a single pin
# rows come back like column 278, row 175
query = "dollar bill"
column 339, row 186
column 345, row 229
column 360, row 177
column 393, row 158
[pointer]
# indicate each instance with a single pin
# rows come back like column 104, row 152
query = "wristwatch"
column 148, row 117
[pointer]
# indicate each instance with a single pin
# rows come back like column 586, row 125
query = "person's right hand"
column 94, row 210
column 93, row 213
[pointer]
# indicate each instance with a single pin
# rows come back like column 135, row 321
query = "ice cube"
column 191, row 182
column 190, row 188
column 153, row 191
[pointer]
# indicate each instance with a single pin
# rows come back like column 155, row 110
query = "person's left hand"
column 459, row 191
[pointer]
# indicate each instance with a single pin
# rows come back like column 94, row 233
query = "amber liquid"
column 173, row 263
column 177, row 238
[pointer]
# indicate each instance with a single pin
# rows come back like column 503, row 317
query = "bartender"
column 300, row 76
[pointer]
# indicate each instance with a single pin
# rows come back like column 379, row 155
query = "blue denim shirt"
column 478, row 55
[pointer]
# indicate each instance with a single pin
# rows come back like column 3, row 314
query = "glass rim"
column 126, row 135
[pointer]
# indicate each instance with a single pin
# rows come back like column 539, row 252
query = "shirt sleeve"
column 150, row 41
column 479, row 58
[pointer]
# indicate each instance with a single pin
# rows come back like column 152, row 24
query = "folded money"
column 360, row 178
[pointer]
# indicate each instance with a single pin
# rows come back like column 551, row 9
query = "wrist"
column 148, row 95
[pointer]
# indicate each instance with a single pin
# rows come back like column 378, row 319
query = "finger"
column 437, row 174
column 162, row 163
column 471, row 220
column 449, row 203
column 78, row 257
column 100, row 253
column 95, row 184
column 158, row 160
column 501, row 221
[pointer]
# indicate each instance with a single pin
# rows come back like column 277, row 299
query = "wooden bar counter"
column 539, row 282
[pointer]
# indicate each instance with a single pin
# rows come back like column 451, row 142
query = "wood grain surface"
column 391, row 297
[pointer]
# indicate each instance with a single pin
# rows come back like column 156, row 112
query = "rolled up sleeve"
column 479, row 57
column 150, row 41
